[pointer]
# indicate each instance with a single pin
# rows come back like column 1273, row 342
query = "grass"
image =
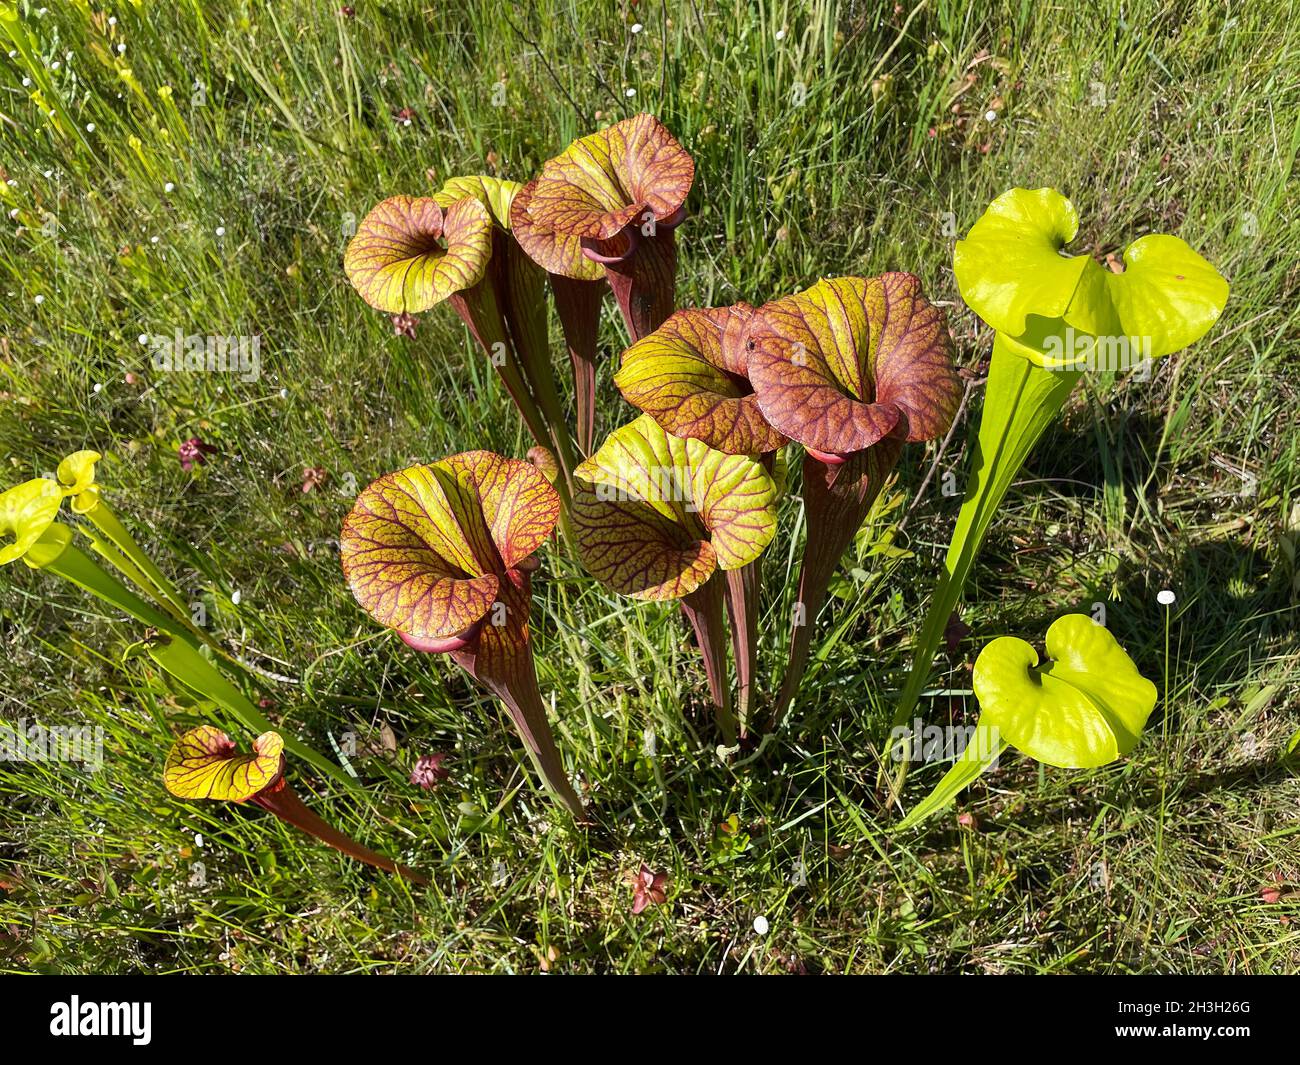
column 829, row 138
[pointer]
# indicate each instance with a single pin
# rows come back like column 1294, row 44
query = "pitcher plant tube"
column 852, row 369
column 1084, row 707
column 656, row 517
column 621, row 193
column 411, row 253
column 1055, row 316
column 691, row 376
column 29, row 512
column 578, row 285
column 204, row 763
column 443, row 555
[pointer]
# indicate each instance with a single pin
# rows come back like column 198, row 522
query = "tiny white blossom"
column 780, row 34
column 38, row 300
column 630, row 93
column 112, row 20
column 168, row 187
column 90, row 127
column 26, row 82
column 221, row 231
column 121, row 48
column 990, row 116
column 144, row 338
column 760, row 925
column 153, row 240
column 637, row 27
column 55, row 65
column 1165, row 597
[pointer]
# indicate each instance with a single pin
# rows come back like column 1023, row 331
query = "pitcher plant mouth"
column 620, row 194
column 204, row 763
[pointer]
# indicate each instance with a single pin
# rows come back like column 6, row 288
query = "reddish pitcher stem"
column 501, row 659
column 645, row 282
column 836, row 501
column 283, row 801
column 578, row 305
column 703, row 609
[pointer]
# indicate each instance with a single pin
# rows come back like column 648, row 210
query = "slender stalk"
column 578, row 305
column 521, row 296
column 283, row 801
column 836, row 499
column 1021, row 400
column 743, row 591
column 103, row 518
column 703, row 609
column 479, row 311
column 501, row 659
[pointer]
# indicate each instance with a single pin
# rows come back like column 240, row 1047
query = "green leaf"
column 1086, row 707
column 977, row 758
column 690, row 376
column 655, row 515
column 1010, row 266
column 1057, row 310
column 1021, row 399
column 408, row 256
column 839, row 366
column 26, row 511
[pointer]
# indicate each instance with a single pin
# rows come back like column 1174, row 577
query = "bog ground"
column 212, row 160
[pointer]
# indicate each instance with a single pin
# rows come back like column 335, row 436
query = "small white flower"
column 221, row 231
column 198, row 839
column 13, row 53
column 144, row 338
column 284, row 393
column 760, row 925
column 1166, row 597
column 97, row 388
column 90, row 127
column 153, row 240
column 990, row 116
column 112, row 20
column 38, row 300
column 13, row 184
column 630, row 93
column 637, row 27
column 780, row 34
column 26, row 82
column 13, row 213
column 121, row 48
column 55, row 65
column 235, row 597
column 168, row 187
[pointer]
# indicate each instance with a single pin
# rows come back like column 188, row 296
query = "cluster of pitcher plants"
column 676, row 497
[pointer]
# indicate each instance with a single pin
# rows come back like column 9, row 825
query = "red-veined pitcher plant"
column 690, row 375
column 411, row 253
column 659, row 517
column 852, row 368
column 443, row 555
